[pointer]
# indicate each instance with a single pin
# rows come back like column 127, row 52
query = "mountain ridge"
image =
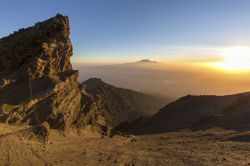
column 121, row 105
column 194, row 113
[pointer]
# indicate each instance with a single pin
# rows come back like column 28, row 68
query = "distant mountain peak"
column 146, row 61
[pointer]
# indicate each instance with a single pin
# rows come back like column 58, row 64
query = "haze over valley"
column 170, row 80
column 125, row 83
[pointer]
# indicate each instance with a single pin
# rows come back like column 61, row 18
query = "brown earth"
column 211, row 147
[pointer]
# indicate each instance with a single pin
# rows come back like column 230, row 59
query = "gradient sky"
column 127, row 30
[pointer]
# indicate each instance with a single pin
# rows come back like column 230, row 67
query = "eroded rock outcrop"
column 37, row 81
column 44, row 49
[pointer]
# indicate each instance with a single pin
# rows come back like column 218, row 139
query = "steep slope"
column 117, row 105
column 38, row 83
column 124, row 99
column 200, row 113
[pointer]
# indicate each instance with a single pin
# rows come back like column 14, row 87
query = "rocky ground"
column 211, row 147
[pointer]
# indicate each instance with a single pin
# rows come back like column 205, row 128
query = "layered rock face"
column 37, row 81
column 44, row 49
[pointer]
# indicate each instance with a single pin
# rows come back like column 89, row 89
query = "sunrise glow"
column 235, row 59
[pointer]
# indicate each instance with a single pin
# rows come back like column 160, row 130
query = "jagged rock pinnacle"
column 44, row 49
column 37, row 81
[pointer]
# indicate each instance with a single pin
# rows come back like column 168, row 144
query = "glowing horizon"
column 127, row 31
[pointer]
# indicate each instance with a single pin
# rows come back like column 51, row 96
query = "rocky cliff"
column 42, row 50
column 37, row 81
